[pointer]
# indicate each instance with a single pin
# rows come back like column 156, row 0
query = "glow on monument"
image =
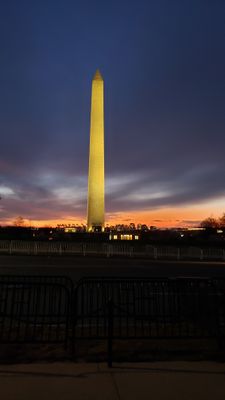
column 96, row 201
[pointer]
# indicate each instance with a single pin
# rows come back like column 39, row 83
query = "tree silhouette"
column 210, row 222
column 222, row 221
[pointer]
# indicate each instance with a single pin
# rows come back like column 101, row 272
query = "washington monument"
column 96, row 206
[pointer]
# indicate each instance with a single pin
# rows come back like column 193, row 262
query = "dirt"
column 123, row 350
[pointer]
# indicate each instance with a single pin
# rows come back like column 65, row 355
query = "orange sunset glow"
column 169, row 217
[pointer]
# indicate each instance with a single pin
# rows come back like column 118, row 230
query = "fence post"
column 110, row 332
column 10, row 247
column 60, row 248
column 178, row 253
column 155, row 253
column 201, row 254
column 131, row 251
column 35, row 248
column 108, row 250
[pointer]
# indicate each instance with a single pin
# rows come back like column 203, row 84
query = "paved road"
column 77, row 267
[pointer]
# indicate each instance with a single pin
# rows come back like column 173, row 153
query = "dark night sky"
column 163, row 64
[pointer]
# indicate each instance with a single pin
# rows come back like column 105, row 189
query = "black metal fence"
column 44, row 309
column 149, row 309
column 35, row 309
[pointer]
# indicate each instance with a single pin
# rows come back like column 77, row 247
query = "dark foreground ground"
column 143, row 381
column 78, row 267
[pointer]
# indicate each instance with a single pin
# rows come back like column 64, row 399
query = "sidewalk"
column 134, row 381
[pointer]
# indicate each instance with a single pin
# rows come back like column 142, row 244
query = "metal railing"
column 49, row 309
column 149, row 309
column 111, row 249
column 35, row 309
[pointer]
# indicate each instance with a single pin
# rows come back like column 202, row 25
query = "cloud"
column 48, row 197
column 186, row 188
column 57, row 195
column 6, row 191
column 190, row 222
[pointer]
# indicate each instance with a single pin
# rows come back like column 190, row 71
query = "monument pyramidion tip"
column 98, row 76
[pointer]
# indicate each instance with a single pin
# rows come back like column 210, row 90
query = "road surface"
column 78, row 267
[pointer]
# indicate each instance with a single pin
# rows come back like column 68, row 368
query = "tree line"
column 212, row 222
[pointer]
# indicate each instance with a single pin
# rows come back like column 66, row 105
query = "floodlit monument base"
column 96, row 228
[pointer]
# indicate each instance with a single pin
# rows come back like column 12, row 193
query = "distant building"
column 124, row 236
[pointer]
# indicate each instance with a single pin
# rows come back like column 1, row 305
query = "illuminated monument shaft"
column 96, row 206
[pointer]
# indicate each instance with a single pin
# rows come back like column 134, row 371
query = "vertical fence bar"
column 110, row 332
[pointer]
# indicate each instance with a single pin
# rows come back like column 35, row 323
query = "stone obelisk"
column 96, row 206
